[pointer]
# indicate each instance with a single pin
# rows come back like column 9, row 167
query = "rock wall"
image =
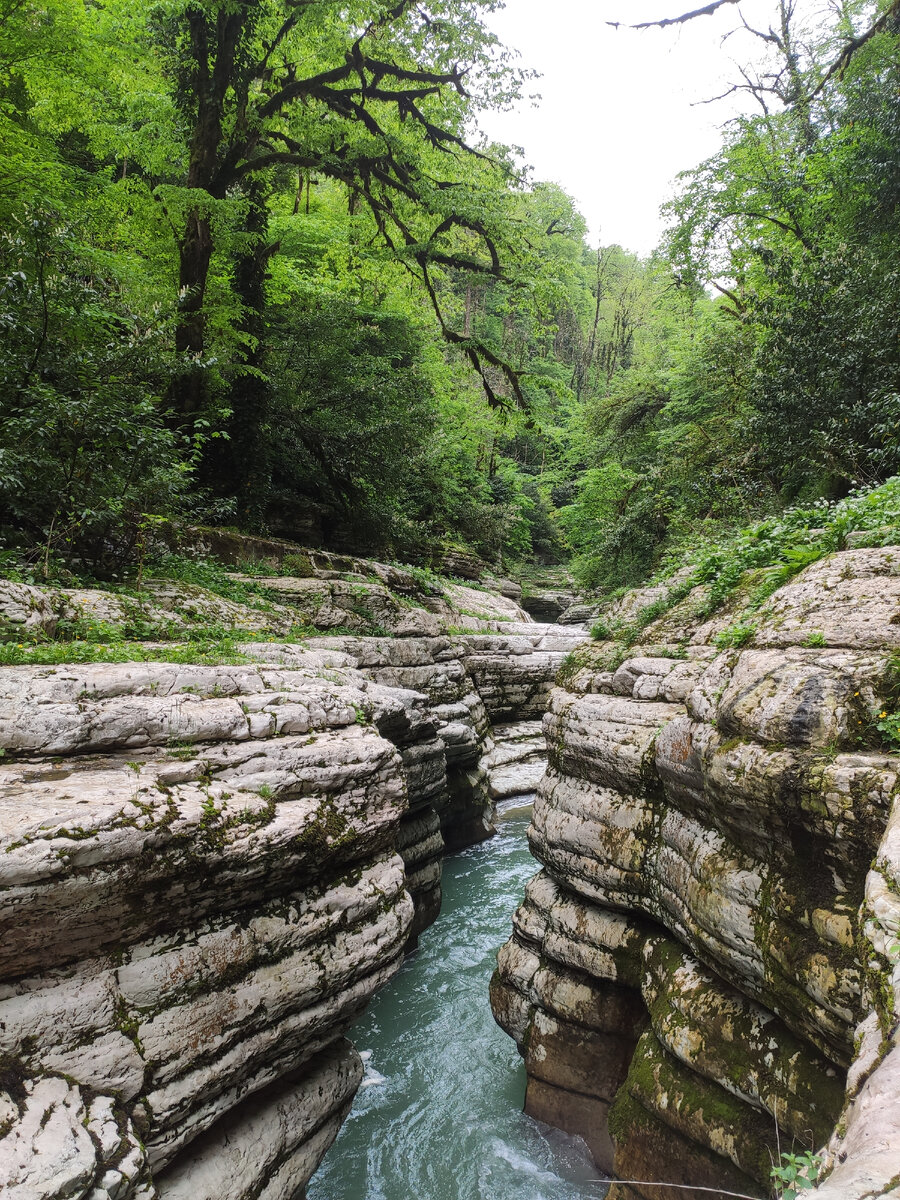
column 199, row 891
column 708, row 948
column 206, row 872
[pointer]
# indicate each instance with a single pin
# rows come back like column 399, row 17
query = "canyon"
column 209, row 869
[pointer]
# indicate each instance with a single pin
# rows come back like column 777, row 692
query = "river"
column 439, row 1115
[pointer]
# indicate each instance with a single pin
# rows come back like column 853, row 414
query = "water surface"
column 439, row 1115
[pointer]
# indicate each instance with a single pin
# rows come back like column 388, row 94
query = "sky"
column 621, row 110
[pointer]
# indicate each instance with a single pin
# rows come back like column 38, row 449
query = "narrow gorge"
column 209, row 871
column 449, row 600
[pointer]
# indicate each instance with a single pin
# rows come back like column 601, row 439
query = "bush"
column 84, row 450
column 782, row 546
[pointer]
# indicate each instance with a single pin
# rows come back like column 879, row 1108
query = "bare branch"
column 770, row 36
column 706, row 11
column 739, row 305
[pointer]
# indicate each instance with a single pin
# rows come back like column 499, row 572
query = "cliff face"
column 707, row 949
column 207, row 871
column 196, row 901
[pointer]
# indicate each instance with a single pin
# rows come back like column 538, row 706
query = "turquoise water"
column 439, row 1114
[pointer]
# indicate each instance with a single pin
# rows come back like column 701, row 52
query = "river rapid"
column 439, row 1114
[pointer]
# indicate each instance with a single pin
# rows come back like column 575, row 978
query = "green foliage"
column 210, row 574
column 735, row 635
column 354, row 416
column 211, row 651
column 886, row 722
column 796, row 1173
column 747, row 566
column 428, row 580
column 888, row 725
column 800, row 209
column 602, row 631
column 84, row 451
column 786, row 387
column 243, row 280
column 304, row 366
column 780, row 547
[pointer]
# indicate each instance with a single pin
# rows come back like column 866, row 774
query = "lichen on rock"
column 718, row 844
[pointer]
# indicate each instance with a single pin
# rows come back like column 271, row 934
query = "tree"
column 372, row 94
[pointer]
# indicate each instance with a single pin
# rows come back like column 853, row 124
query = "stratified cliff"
column 713, row 940
column 207, row 871
column 199, row 891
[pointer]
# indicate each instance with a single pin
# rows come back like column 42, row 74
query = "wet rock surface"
column 713, row 941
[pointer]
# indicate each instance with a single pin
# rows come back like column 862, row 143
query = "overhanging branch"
column 706, row 11
column 842, row 61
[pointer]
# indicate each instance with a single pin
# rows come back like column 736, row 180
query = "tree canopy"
column 259, row 267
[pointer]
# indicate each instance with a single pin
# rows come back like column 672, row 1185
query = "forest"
column 259, row 269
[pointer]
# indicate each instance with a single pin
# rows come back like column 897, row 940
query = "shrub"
column 84, row 449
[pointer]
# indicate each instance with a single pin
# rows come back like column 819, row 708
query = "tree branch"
column 842, row 61
column 706, row 11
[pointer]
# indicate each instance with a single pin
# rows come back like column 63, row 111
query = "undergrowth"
column 211, row 652
column 796, row 1173
column 782, row 546
column 211, row 575
column 762, row 559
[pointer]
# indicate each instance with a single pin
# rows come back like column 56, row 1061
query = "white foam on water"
column 372, row 1079
column 521, row 1164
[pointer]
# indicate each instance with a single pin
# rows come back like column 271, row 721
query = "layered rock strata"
column 514, row 671
column 205, row 874
column 516, row 762
column 375, row 599
column 435, row 667
column 708, row 948
column 470, row 681
column 195, row 903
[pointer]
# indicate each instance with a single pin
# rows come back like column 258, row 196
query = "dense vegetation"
column 259, row 269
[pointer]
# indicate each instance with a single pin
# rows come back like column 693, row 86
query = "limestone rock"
column 273, row 1140
column 718, row 843
column 482, row 604
column 506, row 587
column 25, row 610
column 57, row 1143
column 195, row 903
column 850, row 600
column 170, row 610
column 514, row 674
column 463, row 565
column 329, row 603
column 206, row 872
column 516, row 764
column 579, row 614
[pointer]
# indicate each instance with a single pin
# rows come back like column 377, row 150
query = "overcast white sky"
column 618, row 117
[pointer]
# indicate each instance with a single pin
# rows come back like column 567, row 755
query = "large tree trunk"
column 194, row 256
column 239, row 464
column 212, row 41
